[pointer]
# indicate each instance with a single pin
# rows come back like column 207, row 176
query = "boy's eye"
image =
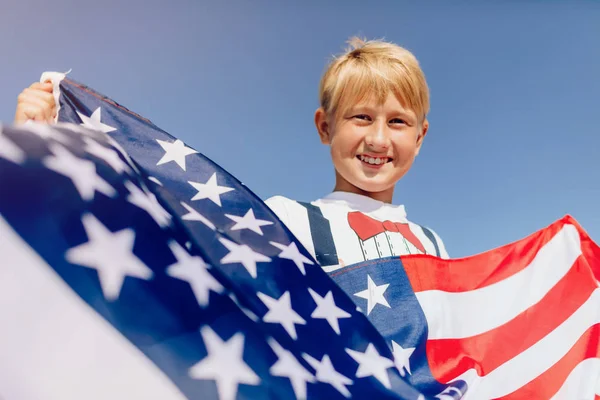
column 397, row 121
column 363, row 117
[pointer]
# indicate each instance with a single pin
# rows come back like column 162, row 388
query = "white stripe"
column 578, row 385
column 54, row 346
column 534, row 361
column 466, row 314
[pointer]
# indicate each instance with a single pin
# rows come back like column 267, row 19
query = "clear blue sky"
column 514, row 137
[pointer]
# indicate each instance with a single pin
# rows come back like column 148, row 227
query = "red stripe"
column 450, row 358
column 464, row 274
column 590, row 249
column 548, row 384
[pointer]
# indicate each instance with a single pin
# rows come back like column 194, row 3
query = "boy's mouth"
column 374, row 161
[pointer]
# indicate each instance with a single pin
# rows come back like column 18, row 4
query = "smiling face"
column 373, row 144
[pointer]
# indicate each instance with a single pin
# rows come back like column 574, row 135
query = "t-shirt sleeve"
column 277, row 205
column 441, row 246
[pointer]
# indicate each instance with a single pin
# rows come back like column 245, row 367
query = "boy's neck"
column 385, row 196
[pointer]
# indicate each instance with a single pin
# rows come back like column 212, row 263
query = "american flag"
column 136, row 268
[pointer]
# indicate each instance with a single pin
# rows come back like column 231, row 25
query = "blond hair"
column 374, row 68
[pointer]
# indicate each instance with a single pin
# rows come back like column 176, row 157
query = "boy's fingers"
column 32, row 106
column 33, row 98
column 30, row 112
column 45, row 96
column 45, row 86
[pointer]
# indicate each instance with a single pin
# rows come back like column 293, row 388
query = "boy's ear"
column 322, row 125
column 423, row 131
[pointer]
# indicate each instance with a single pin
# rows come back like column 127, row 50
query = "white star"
column 370, row 363
column 194, row 215
column 176, row 151
column 10, row 151
column 248, row 221
column 122, row 151
column 373, row 294
column 94, row 121
column 325, row 372
column 280, row 311
column 210, row 190
column 326, row 309
column 224, row 364
column 46, row 131
column 148, row 202
column 111, row 254
column 291, row 252
column 193, row 270
column 81, row 172
column 288, row 366
column 448, row 395
column 106, row 154
column 155, row 180
column 402, row 357
column 243, row 254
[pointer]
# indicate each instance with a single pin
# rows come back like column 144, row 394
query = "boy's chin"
column 373, row 187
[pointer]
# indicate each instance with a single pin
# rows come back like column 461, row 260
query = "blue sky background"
column 514, row 140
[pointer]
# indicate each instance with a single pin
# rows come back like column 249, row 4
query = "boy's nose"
column 378, row 139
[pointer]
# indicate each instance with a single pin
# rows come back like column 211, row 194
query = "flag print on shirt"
column 382, row 239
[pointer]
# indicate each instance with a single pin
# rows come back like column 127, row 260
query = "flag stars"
column 111, row 254
column 243, row 254
column 288, row 366
column 194, row 215
column 175, row 151
column 193, row 270
column 106, row 154
column 373, row 294
column 280, row 311
column 81, row 172
column 10, row 151
column 94, row 121
column 402, row 357
column 326, row 373
column 371, row 363
column 224, row 364
column 210, row 190
column 248, row 221
column 291, row 252
column 327, row 310
column 148, row 203
column 46, row 131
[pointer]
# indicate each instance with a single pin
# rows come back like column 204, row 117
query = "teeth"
column 373, row 160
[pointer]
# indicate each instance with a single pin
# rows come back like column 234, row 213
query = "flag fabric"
column 135, row 267
column 518, row 322
column 140, row 269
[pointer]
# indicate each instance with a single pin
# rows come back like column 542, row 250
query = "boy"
column 373, row 114
column 374, row 102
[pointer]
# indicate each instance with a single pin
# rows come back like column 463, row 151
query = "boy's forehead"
column 371, row 99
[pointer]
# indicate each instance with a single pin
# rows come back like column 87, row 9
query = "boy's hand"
column 36, row 103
